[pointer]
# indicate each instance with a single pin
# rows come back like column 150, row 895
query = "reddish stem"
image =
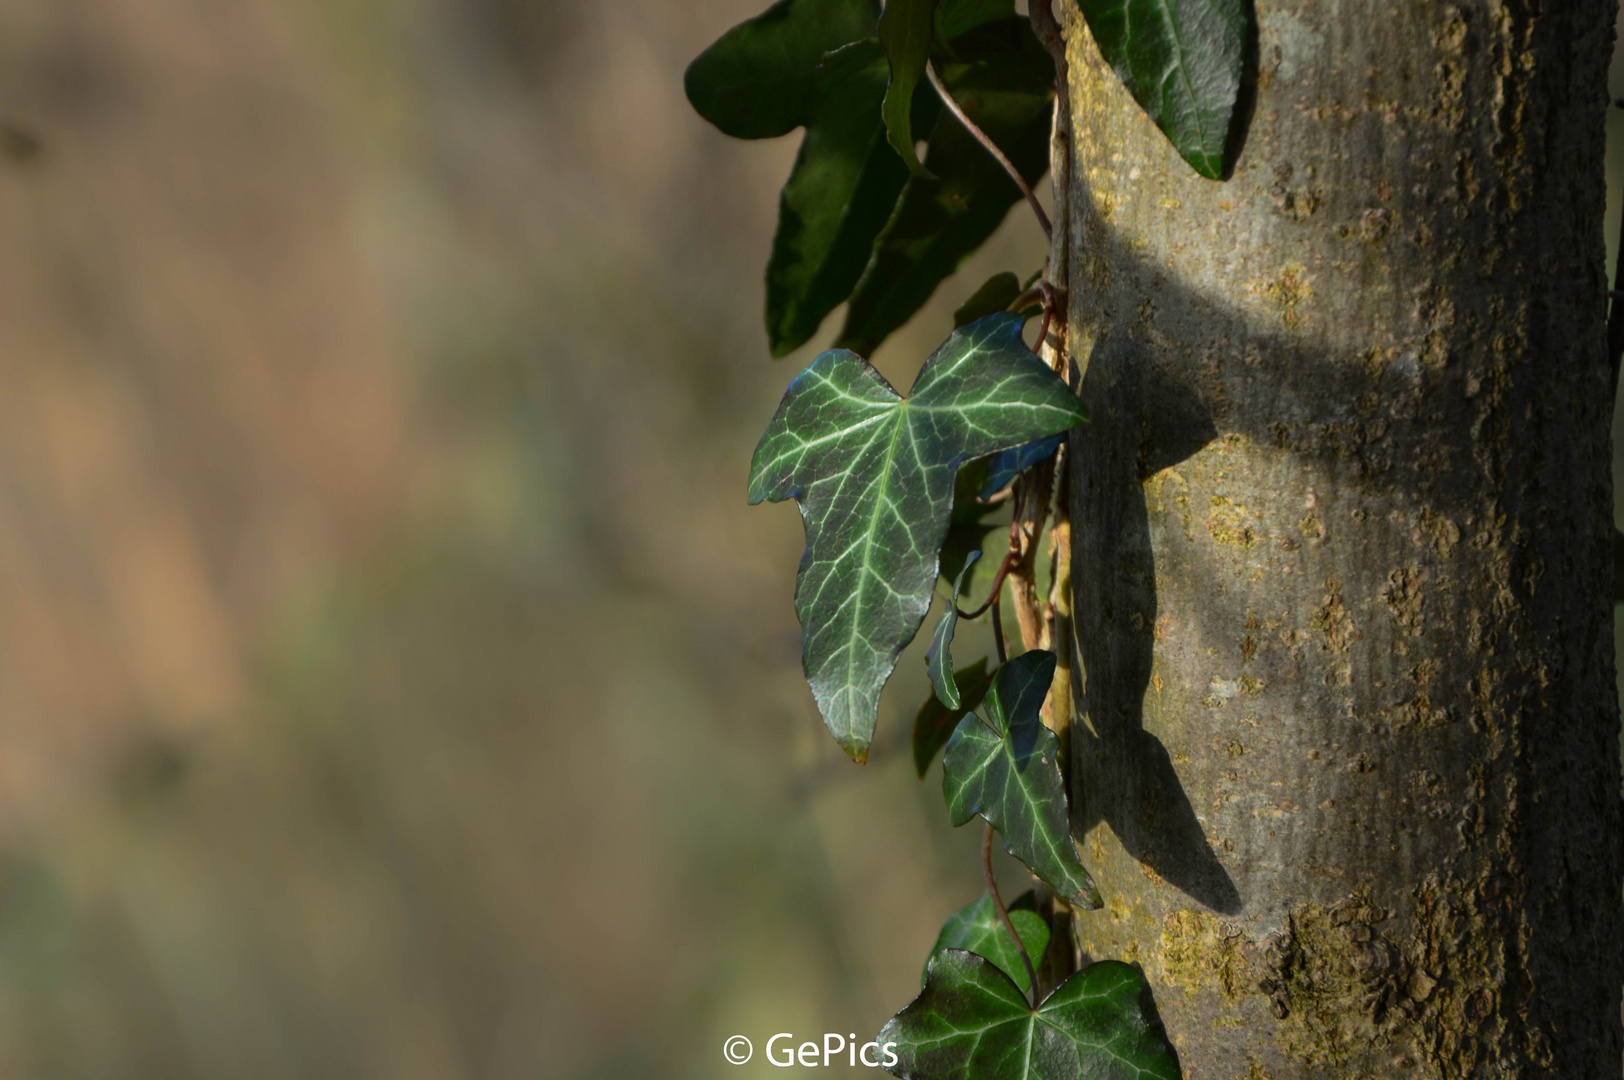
column 991, row 148
column 1043, row 331
column 998, row 632
column 1003, row 913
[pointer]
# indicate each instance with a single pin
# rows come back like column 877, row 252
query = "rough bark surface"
column 1347, row 763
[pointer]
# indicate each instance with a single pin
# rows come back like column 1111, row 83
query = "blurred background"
column 393, row 681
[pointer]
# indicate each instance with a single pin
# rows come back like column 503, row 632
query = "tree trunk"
column 1347, row 762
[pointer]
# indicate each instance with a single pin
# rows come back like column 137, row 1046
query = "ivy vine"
column 896, row 492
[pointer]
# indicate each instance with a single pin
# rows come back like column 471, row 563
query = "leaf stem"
column 1043, row 331
column 1003, row 568
column 997, row 583
column 1003, row 914
column 991, row 148
column 998, row 629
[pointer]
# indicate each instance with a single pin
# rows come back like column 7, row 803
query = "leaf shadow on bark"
column 1128, row 777
column 1158, row 375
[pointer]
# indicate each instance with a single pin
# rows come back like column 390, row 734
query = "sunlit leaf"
column 995, row 294
column 1004, row 466
column 939, row 657
column 977, row 928
column 760, row 79
column 934, row 722
column 972, row 1022
column 1182, row 60
column 941, row 219
column 874, row 476
column 1006, row 769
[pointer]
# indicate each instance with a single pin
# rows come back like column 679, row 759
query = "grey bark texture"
column 1346, row 761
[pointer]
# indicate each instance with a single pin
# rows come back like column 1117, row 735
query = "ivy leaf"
column 1182, row 60
column 971, row 1020
column 759, row 80
column 939, row 220
column 1006, row 770
column 934, row 722
column 838, row 197
column 939, row 657
column 1006, row 465
column 955, row 18
column 874, row 476
column 906, row 28
column 995, row 295
column 977, row 928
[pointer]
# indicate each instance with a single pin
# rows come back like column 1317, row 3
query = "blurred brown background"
column 393, row 681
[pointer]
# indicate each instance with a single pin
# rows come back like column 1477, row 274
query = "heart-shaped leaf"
column 934, row 722
column 977, row 928
column 838, row 197
column 1006, row 465
column 940, row 220
column 908, row 28
column 971, row 1020
column 1005, row 769
column 939, row 657
column 874, row 476
column 760, row 79
column 1182, row 60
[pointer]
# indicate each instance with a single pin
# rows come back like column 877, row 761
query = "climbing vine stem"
column 1003, row 915
column 991, row 148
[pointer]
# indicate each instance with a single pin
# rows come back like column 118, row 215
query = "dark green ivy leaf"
column 874, row 476
column 838, row 197
column 995, row 295
column 760, row 79
column 907, row 28
column 955, row 18
column 971, row 1021
column 977, row 928
column 939, row 657
column 934, row 722
column 1005, row 769
column 1006, row 465
column 1182, row 61
column 939, row 220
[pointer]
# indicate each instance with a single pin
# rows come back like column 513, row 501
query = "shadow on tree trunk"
column 1129, row 780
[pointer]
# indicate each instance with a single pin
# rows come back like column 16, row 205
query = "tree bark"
column 1346, row 762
